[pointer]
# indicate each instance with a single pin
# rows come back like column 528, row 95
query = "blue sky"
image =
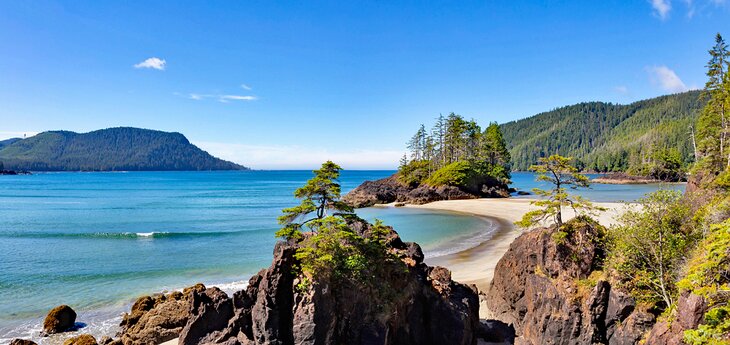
column 289, row 84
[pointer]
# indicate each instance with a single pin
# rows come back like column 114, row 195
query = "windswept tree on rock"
column 559, row 171
column 320, row 198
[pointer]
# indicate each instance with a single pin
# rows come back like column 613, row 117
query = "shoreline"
column 476, row 265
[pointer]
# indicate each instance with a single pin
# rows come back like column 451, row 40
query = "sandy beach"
column 476, row 265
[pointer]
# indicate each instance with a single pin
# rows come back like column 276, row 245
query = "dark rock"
column 159, row 318
column 522, row 192
column 388, row 190
column 426, row 307
column 83, row 339
column 495, row 331
column 22, row 342
column 59, row 319
column 535, row 289
column 210, row 311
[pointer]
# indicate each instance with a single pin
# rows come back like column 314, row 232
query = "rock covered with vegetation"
column 113, row 149
column 455, row 160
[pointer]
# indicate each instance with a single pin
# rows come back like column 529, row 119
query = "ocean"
column 96, row 241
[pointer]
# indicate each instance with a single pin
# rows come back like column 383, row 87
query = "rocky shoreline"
column 390, row 190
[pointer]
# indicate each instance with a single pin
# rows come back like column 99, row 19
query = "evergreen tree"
column 713, row 123
column 320, row 195
column 494, row 148
column 560, row 173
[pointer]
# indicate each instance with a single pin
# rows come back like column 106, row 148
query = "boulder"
column 22, row 342
column 59, row 319
column 83, row 339
column 159, row 318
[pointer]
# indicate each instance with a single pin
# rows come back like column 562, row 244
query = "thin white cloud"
column 153, row 62
column 666, row 79
column 224, row 98
column 246, row 87
column 661, row 8
column 221, row 98
column 298, row 157
column 622, row 89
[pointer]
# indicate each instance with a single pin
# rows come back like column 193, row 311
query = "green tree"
column 560, row 173
column 319, row 195
column 494, row 148
column 650, row 244
column 713, row 123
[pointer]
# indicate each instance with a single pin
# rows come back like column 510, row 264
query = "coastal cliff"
column 423, row 305
column 390, row 189
column 545, row 286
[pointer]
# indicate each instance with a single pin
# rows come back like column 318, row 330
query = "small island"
column 455, row 160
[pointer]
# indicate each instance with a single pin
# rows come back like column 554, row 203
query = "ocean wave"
column 123, row 235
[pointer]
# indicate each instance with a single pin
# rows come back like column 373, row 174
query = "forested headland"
column 113, row 149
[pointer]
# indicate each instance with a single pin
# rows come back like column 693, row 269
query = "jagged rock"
column 210, row 311
column 535, row 290
column 689, row 314
column 426, row 307
column 390, row 190
column 495, row 331
column 83, row 339
column 22, row 342
column 159, row 318
column 59, row 319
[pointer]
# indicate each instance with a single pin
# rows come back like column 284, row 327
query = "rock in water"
column 22, row 342
column 389, row 190
column 535, row 289
column 84, row 339
column 59, row 319
column 426, row 307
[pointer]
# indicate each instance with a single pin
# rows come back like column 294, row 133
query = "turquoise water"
column 98, row 240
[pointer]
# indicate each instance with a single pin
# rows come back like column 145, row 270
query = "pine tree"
column 494, row 148
column 320, row 195
column 713, row 122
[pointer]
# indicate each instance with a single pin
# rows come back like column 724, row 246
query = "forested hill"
column 606, row 136
column 113, row 149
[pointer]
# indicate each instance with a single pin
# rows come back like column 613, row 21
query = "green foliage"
column 339, row 255
column 414, row 172
column 559, row 171
column 708, row 276
column 108, row 150
column 606, row 137
column 650, row 244
column 713, row 123
column 457, row 153
column 320, row 195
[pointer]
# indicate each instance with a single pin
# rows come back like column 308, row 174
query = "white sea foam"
column 145, row 234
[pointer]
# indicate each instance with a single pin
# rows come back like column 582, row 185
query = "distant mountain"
column 606, row 136
column 113, row 149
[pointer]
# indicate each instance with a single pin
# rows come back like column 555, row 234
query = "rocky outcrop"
column 426, row 307
column 535, row 289
column 390, row 190
column 59, row 319
column 159, row 318
column 83, row 339
column 689, row 314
